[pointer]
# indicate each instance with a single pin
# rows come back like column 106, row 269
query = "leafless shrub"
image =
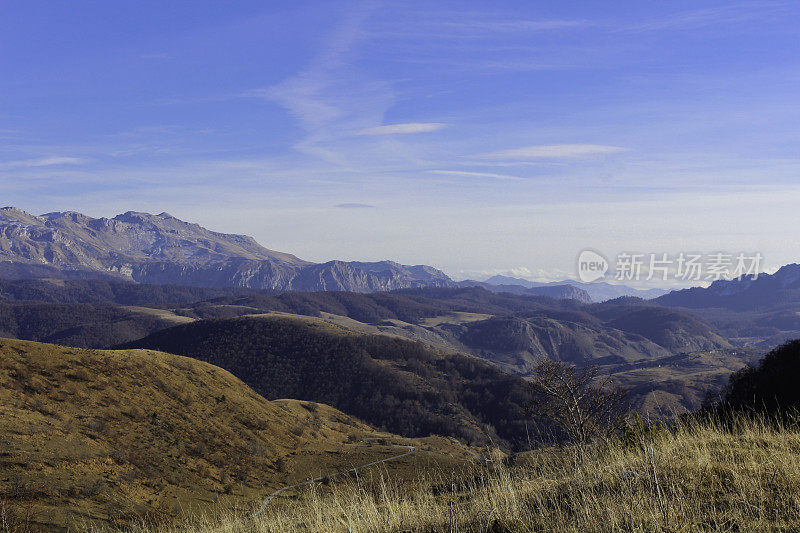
column 17, row 518
column 17, row 488
column 582, row 402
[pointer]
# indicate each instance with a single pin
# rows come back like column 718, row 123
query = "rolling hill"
column 105, row 291
column 517, row 343
column 105, row 437
column 82, row 325
column 674, row 329
column 661, row 384
column 677, row 331
column 392, row 383
column 761, row 313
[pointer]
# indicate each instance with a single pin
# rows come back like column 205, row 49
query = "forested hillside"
column 395, row 384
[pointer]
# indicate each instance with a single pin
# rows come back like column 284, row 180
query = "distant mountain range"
column 598, row 291
column 745, row 293
column 558, row 291
column 162, row 249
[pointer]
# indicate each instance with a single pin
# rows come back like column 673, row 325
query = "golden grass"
column 102, row 437
column 699, row 477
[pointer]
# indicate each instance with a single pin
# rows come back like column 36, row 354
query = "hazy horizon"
column 480, row 140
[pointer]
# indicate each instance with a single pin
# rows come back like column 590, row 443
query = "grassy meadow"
column 700, row 476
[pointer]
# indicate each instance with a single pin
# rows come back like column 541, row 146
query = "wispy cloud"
column 475, row 174
column 47, row 162
column 737, row 13
column 354, row 206
column 508, row 25
column 553, row 151
column 409, row 127
column 324, row 97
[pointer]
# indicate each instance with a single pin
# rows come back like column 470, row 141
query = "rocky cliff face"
column 165, row 250
column 768, row 291
column 561, row 292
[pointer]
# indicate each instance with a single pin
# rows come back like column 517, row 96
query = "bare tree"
column 585, row 404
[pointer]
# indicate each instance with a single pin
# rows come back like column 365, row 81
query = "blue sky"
column 479, row 137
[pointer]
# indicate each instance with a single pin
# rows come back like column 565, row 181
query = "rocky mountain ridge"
column 162, row 249
column 765, row 291
column 598, row 291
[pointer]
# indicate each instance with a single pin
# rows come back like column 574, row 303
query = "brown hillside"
column 108, row 436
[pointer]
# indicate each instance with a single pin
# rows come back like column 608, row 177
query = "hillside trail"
column 410, row 450
column 473, row 454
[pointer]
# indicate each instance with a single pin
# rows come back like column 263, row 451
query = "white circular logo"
column 591, row 266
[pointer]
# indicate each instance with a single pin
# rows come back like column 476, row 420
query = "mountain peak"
column 791, row 269
column 133, row 216
column 74, row 216
column 788, row 275
column 15, row 214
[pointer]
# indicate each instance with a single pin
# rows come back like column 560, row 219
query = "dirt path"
column 473, row 454
column 411, row 450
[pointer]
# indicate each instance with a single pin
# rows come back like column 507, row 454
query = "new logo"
column 591, row 266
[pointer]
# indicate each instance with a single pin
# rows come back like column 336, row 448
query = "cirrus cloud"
column 47, row 162
column 554, row 151
column 465, row 173
column 353, row 205
column 409, row 127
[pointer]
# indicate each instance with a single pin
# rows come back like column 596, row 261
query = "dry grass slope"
column 89, row 436
column 697, row 478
